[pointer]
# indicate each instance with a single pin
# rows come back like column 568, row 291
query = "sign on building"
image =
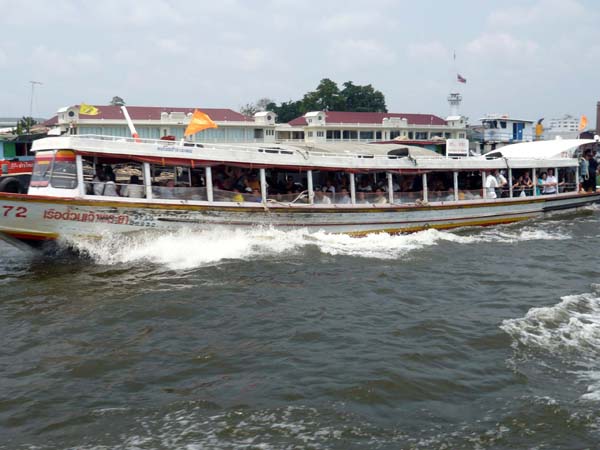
column 457, row 147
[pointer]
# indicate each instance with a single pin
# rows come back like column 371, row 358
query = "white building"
column 153, row 122
column 500, row 130
column 566, row 128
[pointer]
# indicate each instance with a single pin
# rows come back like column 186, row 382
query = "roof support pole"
column 577, row 186
column 390, row 187
column 309, row 182
column 263, row 185
column 455, row 176
column 352, row 189
column 510, row 183
column 535, row 181
column 558, row 180
column 483, row 184
column 425, row 194
column 80, row 182
column 209, row 183
column 147, row 180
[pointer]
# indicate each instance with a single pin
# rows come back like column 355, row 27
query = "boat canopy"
column 558, row 148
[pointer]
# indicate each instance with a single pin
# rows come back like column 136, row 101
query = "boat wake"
column 569, row 330
column 187, row 249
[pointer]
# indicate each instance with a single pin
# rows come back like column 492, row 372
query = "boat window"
column 64, row 170
column 42, row 168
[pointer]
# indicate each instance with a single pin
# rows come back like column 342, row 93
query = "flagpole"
column 130, row 124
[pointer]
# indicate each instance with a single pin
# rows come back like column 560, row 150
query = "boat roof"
column 558, row 148
column 329, row 156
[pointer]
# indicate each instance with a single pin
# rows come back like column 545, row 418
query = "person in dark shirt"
column 592, row 169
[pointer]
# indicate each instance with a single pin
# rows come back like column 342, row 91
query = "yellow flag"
column 88, row 110
column 582, row 123
column 199, row 122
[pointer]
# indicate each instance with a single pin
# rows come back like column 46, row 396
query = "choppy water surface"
column 472, row 339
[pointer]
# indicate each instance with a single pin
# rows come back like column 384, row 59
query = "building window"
column 378, row 135
column 411, row 135
column 366, row 135
column 421, row 135
column 502, row 124
column 320, row 134
column 461, row 135
column 350, row 134
column 334, row 134
column 258, row 133
column 310, row 134
column 270, row 132
column 447, row 135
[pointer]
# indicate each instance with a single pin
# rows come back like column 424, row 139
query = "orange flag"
column 199, row 122
column 582, row 123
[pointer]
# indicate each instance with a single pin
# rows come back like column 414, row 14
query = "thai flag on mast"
column 460, row 78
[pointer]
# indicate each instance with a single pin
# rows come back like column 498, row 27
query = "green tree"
column 24, row 125
column 363, row 98
column 287, row 111
column 326, row 97
column 117, row 101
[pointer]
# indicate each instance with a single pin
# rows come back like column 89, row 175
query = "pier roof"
column 113, row 112
column 373, row 118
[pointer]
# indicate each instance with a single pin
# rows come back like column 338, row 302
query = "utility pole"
column 33, row 83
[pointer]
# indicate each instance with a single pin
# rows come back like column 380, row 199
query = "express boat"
column 91, row 186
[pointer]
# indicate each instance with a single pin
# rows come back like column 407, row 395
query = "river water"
column 470, row 339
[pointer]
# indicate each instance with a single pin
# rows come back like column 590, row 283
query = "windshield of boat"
column 55, row 168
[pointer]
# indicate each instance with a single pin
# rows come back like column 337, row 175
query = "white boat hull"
column 35, row 219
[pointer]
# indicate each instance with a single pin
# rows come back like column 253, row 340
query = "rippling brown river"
column 472, row 339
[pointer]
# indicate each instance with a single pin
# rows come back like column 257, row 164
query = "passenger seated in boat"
column 134, row 189
column 321, row 198
column 237, row 196
column 379, row 197
column 364, row 185
column 110, row 187
column 255, row 197
column 449, row 196
column 361, row 197
column 98, row 181
column 343, row 198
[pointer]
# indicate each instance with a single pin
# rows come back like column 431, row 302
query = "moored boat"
column 93, row 185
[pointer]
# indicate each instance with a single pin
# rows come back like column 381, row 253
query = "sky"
column 526, row 58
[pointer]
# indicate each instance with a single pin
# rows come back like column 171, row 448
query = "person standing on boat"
column 592, row 171
column 583, row 172
column 502, row 183
column 527, row 184
column 550, row 183
column 491, row 183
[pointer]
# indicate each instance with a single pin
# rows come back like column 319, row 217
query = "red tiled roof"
column 373, row 118
column 51, row 122
column 111, row 112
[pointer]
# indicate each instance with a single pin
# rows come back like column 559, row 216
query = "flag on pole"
column 460, row 78
column 88, row 110
column 539, row 128
column 199, row 121
column 582, row 123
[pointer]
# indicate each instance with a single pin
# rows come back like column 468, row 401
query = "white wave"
column 569, row 330
column 187, row 249
column 573, row 325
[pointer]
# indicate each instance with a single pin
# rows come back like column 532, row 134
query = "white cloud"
column 51, row 62
column 540, row 13
column 360, row 52
column 502, row 45
column 171, row 46
column 428, row 51
column 353, row 21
